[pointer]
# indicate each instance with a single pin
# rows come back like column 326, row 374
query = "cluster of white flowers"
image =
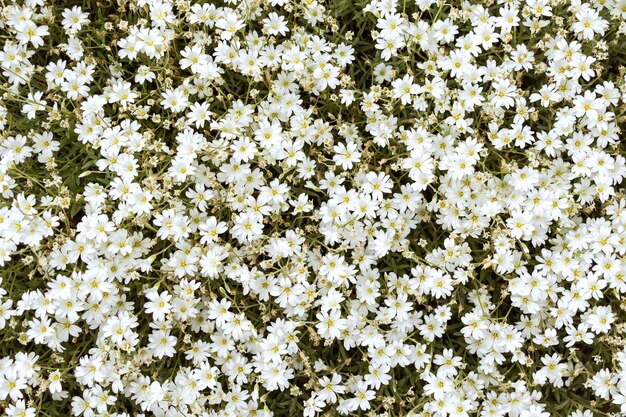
column 283, row 207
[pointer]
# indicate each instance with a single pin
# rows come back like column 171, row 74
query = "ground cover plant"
column 312, row 208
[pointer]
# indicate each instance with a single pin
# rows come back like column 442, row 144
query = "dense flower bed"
column 319, row 207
